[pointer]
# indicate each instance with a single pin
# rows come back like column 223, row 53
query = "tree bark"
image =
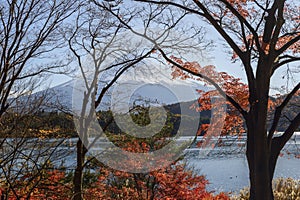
column 78, row 175
column 260, row 159
column 261, row 170
column 259, row 162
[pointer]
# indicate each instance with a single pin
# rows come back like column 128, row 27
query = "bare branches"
column 244, row 56
column 173, row 4
column 259, row 5
column 205, row 14
column 117, row 76
column 28, row 29
column 279, row 109
column 282, row 140
column 287, row 59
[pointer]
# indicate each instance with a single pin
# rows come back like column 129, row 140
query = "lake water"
column 232, row 174
column 225, row 167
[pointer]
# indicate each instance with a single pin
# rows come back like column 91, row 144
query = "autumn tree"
column 264, row 37
column 101, row 44
column 26, row 151
column 29, row 42
column 176, row 181
column 29, row 31
column 93, row 41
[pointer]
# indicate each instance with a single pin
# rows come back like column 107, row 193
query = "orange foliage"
column 254, row 13
column 232, row 86
column 295, row 48
column 173, row 182
column 50, row 186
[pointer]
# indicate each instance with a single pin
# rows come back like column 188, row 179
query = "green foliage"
column 140, row 115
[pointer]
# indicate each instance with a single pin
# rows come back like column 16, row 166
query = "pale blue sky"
column 220, row 58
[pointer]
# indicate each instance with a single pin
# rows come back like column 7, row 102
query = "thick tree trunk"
column 259, row 171
column 262, row 157
column 78, row 175
column 259, row 149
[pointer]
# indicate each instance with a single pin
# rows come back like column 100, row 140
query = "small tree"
column 175, row 181
column 29, row 32
column 99, row 37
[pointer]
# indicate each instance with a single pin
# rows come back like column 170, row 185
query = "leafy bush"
column 172, row 183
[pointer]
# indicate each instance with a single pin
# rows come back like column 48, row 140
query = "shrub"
column 284, row 189
column 172, row 183
column 287, row 189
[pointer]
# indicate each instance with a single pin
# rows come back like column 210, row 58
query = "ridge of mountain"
column 61, row 96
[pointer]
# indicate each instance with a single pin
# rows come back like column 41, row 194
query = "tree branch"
column 288, row 45
column 279, row 23
column 218, row 88
column 104, row 90
column 172, row 4
column 244, row 21
column 279, row 110
column 278, row 65
column 282, row 140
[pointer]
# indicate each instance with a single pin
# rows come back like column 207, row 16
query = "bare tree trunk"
column 259, row 170
column 78, row 175
column 258, row 146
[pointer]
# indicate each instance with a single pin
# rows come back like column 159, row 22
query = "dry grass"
column 284, row 189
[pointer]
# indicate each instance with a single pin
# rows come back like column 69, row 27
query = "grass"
column 283, row 188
